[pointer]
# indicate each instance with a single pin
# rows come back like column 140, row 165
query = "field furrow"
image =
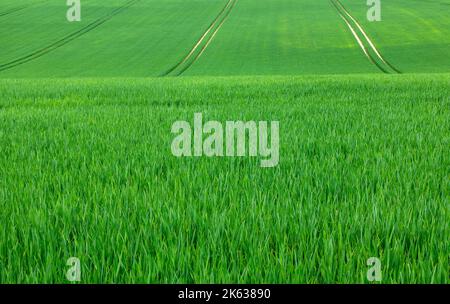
column 412, row 34
column 199, row 42
column 66, row 39
column 384, row 62
column 8, row 9
column 359, row 40
column 130, row 44
column 11, row 11
column 282, row 37
column 210, row 39
column 45, row 23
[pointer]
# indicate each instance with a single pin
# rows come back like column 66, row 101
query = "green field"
column 86, row 168
column 414, row 34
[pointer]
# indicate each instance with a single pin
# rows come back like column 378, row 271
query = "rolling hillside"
column 412, row 34
column 221, row 37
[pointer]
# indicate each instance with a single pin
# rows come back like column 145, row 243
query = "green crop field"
column 87, row 168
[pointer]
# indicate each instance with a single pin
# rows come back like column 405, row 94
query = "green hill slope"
column 221, row 37
column 282, row 37
column 415, row 35
column 143, row 39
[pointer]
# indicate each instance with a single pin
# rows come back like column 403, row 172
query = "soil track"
column 19, row 8
column 366, row 36
column 358, row 40
column 383, row 65
column 219, row 21
column 66, row 39
column 209, row 40
column 13, row 10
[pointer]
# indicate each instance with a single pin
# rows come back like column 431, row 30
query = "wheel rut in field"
column 63, row 41
column 202, row 44
column 13, row 10
column 365, row 42
column 20, row 8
